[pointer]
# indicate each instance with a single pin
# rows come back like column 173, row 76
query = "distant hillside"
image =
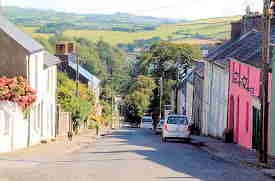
column 196, row 32
column 120, row 28
column 50, row 20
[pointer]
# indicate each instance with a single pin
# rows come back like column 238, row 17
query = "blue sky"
column 188, row 9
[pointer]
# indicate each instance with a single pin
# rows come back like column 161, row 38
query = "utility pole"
column 112, row 101
column 160, row 95
column 78, row 60
column 77, row 75
column 263, row 158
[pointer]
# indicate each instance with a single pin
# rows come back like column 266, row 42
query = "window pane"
column 177, row 120
column 172, row 120
column 147, row 120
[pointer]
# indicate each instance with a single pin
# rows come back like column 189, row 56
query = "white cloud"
column 190, row 9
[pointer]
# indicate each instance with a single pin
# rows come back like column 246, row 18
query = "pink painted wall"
column 241, row 98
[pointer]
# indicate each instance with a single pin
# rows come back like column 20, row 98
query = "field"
column 198, row 32
column 31, row 31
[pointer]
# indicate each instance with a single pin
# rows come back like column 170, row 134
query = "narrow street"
column 126, row 155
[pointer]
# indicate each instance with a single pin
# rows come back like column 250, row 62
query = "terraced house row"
column 221, row 93
column 22, row 56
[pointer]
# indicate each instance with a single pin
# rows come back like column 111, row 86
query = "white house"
column 215, row 99
column 22, row 55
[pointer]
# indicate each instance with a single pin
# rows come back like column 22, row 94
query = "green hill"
column 50, row 20
column 119, row 28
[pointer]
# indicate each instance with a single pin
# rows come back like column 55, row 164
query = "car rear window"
column 177, row 120
column 147, row 120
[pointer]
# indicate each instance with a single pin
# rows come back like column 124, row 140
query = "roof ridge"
column 27, row 42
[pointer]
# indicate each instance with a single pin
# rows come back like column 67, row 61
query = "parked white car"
column 176, row 127
column 147, row 122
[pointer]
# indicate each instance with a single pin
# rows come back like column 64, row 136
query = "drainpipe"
column 228, row 94
column 210, row 93
column 28, row 116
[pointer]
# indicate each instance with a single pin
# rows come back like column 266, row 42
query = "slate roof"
column 85, row 73
column 246, row 48
column 50, row 60
column 28, row 43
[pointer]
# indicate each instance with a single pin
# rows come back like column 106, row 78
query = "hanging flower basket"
column 17, row 90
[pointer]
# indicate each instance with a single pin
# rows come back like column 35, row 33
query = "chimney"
column 65, row 48
column 236, row 29
column 250, row 22
column 71, row 47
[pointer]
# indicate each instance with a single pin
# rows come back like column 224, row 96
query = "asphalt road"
column 127, row 155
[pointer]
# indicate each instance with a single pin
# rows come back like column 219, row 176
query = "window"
column 177, row 120
column 146, row 120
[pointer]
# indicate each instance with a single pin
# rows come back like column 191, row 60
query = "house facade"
column 22, row 56
column 215, row 98
column 198, row 81
column 244, row 103
column 241, row 60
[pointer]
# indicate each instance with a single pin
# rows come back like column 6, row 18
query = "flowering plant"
column 17, row 90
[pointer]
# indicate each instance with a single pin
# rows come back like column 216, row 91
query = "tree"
column 67, row 98
column 167, row 60
column 140, row 92
column 161, row 57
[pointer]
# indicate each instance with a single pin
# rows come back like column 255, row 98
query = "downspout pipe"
column 210, row 93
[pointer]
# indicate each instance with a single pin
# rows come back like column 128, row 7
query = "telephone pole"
column 263, row 151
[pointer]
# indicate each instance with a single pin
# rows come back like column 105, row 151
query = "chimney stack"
column 236, row 29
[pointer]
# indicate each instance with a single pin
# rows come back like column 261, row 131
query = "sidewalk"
column 60, row 145
column 230, row 152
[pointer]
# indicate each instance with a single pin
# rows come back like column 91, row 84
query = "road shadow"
column 181, row 157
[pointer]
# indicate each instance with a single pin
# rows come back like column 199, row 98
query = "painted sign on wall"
column 243, row 82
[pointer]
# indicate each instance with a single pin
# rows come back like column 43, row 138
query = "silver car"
column 147, row 122
column 176, row 126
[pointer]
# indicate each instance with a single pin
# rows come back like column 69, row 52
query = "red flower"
column 17, row 90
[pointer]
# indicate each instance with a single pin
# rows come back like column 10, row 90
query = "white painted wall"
column 189, row 100
column 206, row 97
column 14, row 128
column 44, row 80
column 218, row 115
column 215, row 100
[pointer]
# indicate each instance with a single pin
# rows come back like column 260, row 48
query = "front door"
column 256, row 137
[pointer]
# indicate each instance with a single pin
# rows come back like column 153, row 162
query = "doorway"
column 256, row 137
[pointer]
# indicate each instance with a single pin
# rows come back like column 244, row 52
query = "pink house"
column 244, row 103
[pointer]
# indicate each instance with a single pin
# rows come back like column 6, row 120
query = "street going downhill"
column 125, row 155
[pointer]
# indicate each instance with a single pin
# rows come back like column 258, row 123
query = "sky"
column 180, row 9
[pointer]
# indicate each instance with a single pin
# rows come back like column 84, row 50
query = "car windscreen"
column 177, row 120
column 147, row 120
